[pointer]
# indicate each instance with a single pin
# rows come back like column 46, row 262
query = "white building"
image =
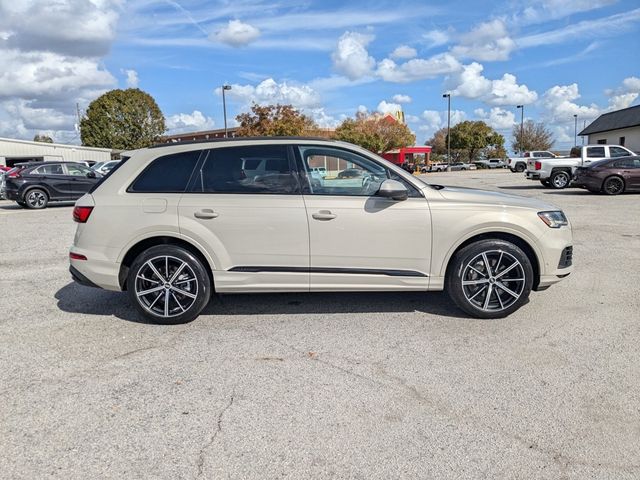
column 14, row 151
column 621, row 127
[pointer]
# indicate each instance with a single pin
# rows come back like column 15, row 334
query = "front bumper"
column 587, row 182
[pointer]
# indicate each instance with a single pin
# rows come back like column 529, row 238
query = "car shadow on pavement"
column 522, row 187
column 15, row 206
column 74, row 298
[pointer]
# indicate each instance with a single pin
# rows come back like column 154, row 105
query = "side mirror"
column 91, row 175
column 393, row 189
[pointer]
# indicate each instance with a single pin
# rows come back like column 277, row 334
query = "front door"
column 360, row 241
column 252, row 223
column 55, row 179
column 79, row 181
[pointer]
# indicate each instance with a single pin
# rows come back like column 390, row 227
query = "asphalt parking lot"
column 325, row 385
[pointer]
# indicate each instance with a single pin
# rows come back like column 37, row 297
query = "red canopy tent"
column 399, row 156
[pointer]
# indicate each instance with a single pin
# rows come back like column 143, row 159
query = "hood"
column 486, row 197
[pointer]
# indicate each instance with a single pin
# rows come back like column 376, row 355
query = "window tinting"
column 618, row 152
column 249, row 169
column 49, row 170
column 77, row 170
column 168, row 174
column 595, row 152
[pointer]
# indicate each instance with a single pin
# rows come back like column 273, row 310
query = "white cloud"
column 436, row 38
column 432, row 119
column 236, row 34
column 625, row 95
column 560, row 107
column 600, row 28
column 417, row 68
column 545, row 10
column 404, row 51
column 269, row 91
column 322, row 118
column 470, row 83
column 489, row 42
column 497, row 118
column 400, row 98
column 392, row 108
column 189, row 122
column 351, row 57
column 132, row 78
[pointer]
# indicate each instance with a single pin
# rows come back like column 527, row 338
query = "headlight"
column 555, row 219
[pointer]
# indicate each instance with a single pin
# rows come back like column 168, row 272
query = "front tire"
column 36, row 199
column 168, row 285
column 613, row 186
column 490, row 278
column 560, row 180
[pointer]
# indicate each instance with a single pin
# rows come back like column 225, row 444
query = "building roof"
column 201, row 133
column 55, row 145
column 625, row 118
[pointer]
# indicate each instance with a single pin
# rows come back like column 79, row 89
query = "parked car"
column 558, row 172
column 173, row 222
column 519, row 164
column 456, row 166
column 104, row 167
column 34, row 185
column 434, row 167
column 611, row 176
column 491, row 163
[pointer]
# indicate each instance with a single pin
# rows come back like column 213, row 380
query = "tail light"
column 76, row 256
column 538, row 165
column 15, row 173
column 81, row 214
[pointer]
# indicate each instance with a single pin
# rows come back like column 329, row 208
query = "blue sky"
column 330, row 59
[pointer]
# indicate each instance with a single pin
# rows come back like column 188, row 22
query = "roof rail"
column 239, row 139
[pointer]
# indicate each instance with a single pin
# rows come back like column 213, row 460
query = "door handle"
column 324, row 215
column 205, row 214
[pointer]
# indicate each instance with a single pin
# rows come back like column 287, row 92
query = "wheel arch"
column 506, row 236
column 27, row 188
column 146, row 243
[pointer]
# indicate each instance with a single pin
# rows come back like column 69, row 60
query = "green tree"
column 472, row 137
column 375, row 133
column 273, row 121
column 438, row 142
column 122, row 119
column 40, row 137
column 534, row 136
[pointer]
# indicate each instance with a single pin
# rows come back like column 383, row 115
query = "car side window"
column 346, row 173
column 49, row 170
column 166, row 174
column 618, row 152
column 260, row 169
column 78, row 170
column 595, row 152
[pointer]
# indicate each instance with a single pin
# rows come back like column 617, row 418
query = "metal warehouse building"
column 14, row 151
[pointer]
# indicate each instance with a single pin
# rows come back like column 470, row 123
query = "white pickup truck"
column 519, row 164
column 558, row 172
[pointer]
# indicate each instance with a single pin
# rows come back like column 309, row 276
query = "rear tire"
column 560, row 180
column 168, row 285
column 520, row 168
column 36, row 199
column 613, row 185
column 489, row 278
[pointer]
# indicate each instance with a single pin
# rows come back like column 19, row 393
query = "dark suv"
column 34, row 185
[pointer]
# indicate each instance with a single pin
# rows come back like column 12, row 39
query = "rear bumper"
column 97, row 271
column 532, row 175
column 80, row 278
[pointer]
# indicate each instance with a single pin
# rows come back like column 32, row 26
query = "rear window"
column 168, row 174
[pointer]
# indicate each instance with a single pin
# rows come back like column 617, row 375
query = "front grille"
column 566, row 259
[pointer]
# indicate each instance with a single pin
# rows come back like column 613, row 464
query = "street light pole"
column 224, row 108
column 521, row 143
column 448, row 97
column 575, row 130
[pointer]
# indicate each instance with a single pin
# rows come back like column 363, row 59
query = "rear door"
column 593, row 154
column 53, row 177
column 253, row 224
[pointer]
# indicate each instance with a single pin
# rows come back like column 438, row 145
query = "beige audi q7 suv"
column 172, row 224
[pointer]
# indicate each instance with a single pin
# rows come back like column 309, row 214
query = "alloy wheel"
column 36, row 199
column 614, row 186
column 493, row 280
column 166, row 286
column 560, row 180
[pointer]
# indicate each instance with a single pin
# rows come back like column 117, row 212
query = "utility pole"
column 521, row 142
column 448, row 97
column 224, row 108
column 575, row 130
column 78, row 114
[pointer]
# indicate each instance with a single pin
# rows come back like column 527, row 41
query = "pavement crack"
column 217, row 431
